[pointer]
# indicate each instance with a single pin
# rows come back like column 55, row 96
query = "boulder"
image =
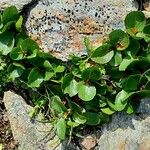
column 128, row 132
column 18, row 3
column 60, row 26
column 30, row 134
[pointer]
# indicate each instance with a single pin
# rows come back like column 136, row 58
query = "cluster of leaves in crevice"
column 86, row 90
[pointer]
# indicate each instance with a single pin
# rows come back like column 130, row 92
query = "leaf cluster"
column 86, row 90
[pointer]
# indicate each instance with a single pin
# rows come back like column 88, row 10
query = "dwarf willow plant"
column 87, row 89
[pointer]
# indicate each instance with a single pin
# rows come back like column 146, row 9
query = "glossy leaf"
column 71, row 89
column 6, row 42
column 102, row 55
column 35, row 78
column 61, row 128
column 131, row 83
column 79, row 118
column 57, row 104
column 107, row 111
column 135, row 22
column 91, row 73
column 92, row 118
column 86, row 92
column 119, row 39
column 10, row 14
column 15, row 70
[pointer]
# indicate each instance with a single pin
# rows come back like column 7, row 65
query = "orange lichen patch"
column 77, row 44
column 60, row 16
column 87, row 26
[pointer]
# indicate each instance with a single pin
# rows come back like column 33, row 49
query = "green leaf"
column 35, row 78
column 29, row 48
column 60, row 69
column 20, row 38
column 15, row 70
column 135, row 22
column 131, row 83
column 71, row 89
column 67, row 80
column 74, row 106
column 16, row 54
column 117, row 59
column 107, row 111
column 133, row 48
column 57, row 104
column 101, row 55
column 49, row 73
column 79, row 118
column 130, row 109
column 92, row 118
column 61, row 128
column 72, row 124
column 119, row 39
column 122, row 99
column 6, row 42
column 91, row 73
column 125, row 63
column 19, row 24
column 10, row 14
column 86, row 92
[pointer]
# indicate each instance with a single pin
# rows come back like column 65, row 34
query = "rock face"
column 18, row 3
column 128, row 132
column 60, row 26
column 30, row 134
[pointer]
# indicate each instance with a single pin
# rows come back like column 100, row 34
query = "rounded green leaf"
column 71, row 89
column 6, row 42
column 119, row 39
column 16, row 54
column 91, row 73
column 117, row 59
column 79, row 118
column 10, row 14
column 125, row 63
column 135, row 22
column 86, row 92
column 29, row 48
column 92, row 118
column 122, row 100
column 57, row 104
column 102, row 55
column 15, row 70
column 35, row 78
column 61, row 128
column 20, row 38
column 107, row 111
column 130, row 83
column 59, row 69
column 19, row 24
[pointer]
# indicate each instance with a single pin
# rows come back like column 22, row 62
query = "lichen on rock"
column 60, row 26
column 18, row 3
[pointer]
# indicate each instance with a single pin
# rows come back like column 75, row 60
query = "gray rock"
column 128, row 132
column 60, row 26
column 18, row 3
column 30, row 134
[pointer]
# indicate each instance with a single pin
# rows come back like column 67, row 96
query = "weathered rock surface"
column 18, row 3
column 60, row 26
column 128, row 132
column 30, row 134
